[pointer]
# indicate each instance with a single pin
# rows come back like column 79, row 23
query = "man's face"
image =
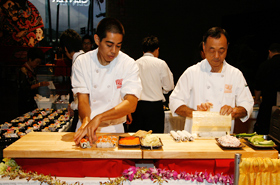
column 215, row 50
column 34, row 63
column 109, row 47
column 87, row 45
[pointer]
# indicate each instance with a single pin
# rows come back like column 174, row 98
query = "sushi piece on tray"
column 106, row 141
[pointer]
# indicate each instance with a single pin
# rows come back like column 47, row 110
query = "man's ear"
column 203, row 46
column 96, row 39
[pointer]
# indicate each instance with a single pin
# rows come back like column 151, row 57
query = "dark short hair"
column 275, row 48
column 87, row 36
column 150, row 43
column 215, row 32
column 71, row 40
column 109, row 25
column 34, row 53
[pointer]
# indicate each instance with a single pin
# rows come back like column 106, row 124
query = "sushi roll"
column 106, row 141
column 84, row 143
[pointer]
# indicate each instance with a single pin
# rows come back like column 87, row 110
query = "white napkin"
column 51, row 85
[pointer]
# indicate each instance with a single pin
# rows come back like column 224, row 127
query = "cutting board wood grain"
column 61, row 145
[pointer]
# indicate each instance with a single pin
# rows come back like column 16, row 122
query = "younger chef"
column 212, row 84
column 107, row 83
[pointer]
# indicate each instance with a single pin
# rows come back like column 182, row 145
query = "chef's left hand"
column 236, row 112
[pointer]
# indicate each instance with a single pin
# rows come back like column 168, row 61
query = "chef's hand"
column 204, row 106
column 89, row 130
column 226, row 110
column 236, row 112
column 71, row 111
column 128, row 119
column 239, row 112
column 44, row 83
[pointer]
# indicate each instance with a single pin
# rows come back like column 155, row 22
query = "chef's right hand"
column 89, row 130
column 204, row 106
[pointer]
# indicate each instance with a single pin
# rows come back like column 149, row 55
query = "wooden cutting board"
column 61, row 145
column 202, row 149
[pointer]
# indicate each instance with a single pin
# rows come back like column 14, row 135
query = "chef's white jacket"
column 198, row 85
column 155, row 76
column 106, row 85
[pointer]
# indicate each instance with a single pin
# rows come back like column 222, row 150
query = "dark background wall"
column 252, row 25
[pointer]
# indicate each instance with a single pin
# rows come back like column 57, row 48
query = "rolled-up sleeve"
column 131, row 82
column 78, row 79
column 244, row 97
column 181, row 93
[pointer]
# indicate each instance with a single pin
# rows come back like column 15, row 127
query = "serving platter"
column 261, row 146
column 230, row 147
column 152, row 147
column 129, row 146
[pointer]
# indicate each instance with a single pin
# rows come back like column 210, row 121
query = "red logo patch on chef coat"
column 119, row 83
column 228, row 88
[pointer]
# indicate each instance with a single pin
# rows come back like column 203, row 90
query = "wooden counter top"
column 61, row 145
column 202, row 149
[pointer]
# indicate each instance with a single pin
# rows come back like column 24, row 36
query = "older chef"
column 212, row 84
column 107, row 83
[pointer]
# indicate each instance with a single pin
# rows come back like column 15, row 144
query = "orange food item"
column 131, row 140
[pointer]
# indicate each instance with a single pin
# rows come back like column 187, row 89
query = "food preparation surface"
column 202, row 149
column 61, row 145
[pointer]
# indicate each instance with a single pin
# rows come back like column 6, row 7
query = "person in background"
column 267, row 85
column 71, row 45
column 107, row 83
column 156, row 79
column 27, row 81
column 212, row 84
column 87, row 43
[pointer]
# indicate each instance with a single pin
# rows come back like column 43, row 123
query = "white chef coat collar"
column 148, row 54
column 112, row 63
column 76, row 54
column 208, row 68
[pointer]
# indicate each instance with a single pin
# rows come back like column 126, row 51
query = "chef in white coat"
column 106, row 82
column 212, row 84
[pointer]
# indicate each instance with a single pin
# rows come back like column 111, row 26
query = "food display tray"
column 230, row 147
column 152, row 147
column 129, row 146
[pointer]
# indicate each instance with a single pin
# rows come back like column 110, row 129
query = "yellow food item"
column 151, row 140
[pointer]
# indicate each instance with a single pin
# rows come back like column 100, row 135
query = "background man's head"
column 34, row 57
column 87, row 42
column 274, row 49
column 70, row 42
column 151, row 44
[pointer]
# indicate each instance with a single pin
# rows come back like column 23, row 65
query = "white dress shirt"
column 106, row 85
column 156, row 77
column 198, row 85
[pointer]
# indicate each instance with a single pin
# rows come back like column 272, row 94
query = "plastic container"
column 61, row 105
column 44, row 105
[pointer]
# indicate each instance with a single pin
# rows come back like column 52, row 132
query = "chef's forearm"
column 84, row 108
column 124, row 108
column 185, row 111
